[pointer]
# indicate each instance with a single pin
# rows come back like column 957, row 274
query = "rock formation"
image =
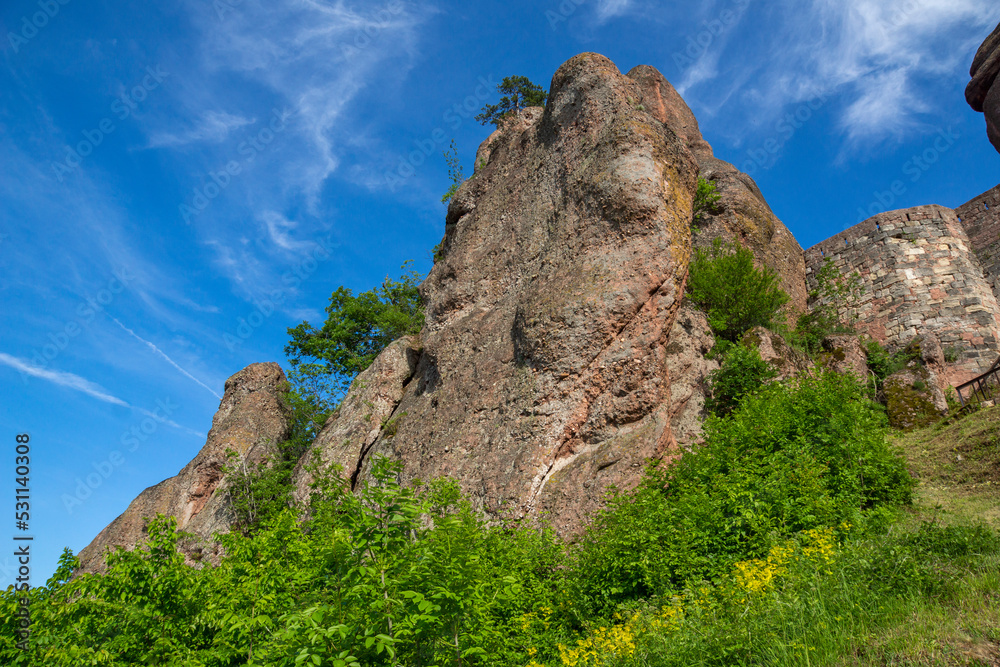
column 541, row 375
column 983, row 92
column 557, row 355
column 251, row 420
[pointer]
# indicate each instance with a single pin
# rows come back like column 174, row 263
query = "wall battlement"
column 921, row 276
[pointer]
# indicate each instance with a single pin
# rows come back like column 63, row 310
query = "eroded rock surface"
column 983, row 92
column 742, row 214
column 542, row 376
column 251, row 420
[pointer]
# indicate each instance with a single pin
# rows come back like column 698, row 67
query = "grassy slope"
column 957, row 465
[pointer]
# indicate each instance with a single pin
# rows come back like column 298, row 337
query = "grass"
column 925, row 592
column 957, row 465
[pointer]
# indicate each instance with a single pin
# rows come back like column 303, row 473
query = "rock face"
column 983, row 93
column 742, row 214
column 251, row 420
column 541, row 376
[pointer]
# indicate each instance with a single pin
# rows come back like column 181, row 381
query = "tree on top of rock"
column 518, row 93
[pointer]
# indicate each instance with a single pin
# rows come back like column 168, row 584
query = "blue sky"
column 182, row 181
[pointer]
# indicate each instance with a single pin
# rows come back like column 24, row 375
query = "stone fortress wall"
column 981, row 220
column 921, row 276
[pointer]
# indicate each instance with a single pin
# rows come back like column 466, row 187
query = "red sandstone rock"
column 251, row 420
column 543, row 368
column 983, row 92
column 743, row 214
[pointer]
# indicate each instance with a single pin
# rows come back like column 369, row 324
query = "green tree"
column 832, row 304
column 735, row 294
column 455, row 172
column 326, row 360
column 518, row 93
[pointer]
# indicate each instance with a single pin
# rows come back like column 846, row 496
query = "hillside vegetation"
column 789, row 538
column 800, row 532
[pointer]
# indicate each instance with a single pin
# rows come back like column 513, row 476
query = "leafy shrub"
column 258, row 491
column 706, row 199
column 325, row 361
column 792, row 458
column 882, row 363
column 831, row 310
column 742, row 372
column 455, row 173
column 735, row 294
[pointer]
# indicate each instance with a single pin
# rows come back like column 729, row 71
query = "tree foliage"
column 793, row 457
column 326, row 360
column 734, row 293
column 409, row 574
column 706, row 199
column 832, row 306
column 455, row 172
column 741, row 373
column 518, row 93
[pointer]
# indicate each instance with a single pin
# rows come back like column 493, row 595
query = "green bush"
column 735, row 294
column 832, row 305
column 793, row 457
column 325, row 361
column 742, row 372
column 706, row 199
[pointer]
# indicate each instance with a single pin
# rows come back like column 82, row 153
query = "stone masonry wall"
column 921, row 277
column 981, row 220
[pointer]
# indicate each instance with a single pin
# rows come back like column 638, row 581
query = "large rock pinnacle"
column 541, row 377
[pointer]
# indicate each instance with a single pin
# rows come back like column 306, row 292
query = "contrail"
column 75, row 382
column 169, row 360
column 63, row 379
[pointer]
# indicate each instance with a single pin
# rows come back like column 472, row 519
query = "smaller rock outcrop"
column 843, row 353
column 251, row 421
column 983, row 92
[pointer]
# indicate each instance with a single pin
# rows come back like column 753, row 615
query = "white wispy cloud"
column 213, row 127
column 164, row 356
column 607, row 9
column 315, row 57
column 63, row 379
column 880, row 60
column 83, row 385
column 278, row 231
